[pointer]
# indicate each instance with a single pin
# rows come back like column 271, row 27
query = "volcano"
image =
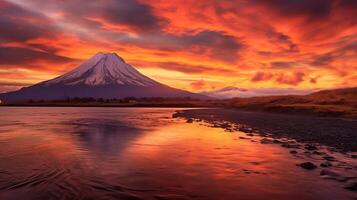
column 105, row 75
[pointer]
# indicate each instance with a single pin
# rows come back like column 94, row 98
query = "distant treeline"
column 114, row 100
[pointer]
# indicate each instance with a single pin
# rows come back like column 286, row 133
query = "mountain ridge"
column 105, row 75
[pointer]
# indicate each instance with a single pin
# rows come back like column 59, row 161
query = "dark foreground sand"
column 337, row 133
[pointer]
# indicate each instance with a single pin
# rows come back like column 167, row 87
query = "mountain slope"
column 104, row 69
column 105, row 75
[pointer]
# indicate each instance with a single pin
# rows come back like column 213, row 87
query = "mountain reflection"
column 104, row 136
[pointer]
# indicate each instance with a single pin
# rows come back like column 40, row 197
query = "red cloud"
column 198, row 85
column 290, row 79
column 283, row 78
column 314, row 79
column 262, row 76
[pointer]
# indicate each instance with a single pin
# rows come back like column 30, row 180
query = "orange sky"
column 188, row 44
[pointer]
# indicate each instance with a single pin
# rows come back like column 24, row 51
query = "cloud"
column 211, row 38
column 290, row 79
column 262, row 76
column 213, row 44
column 20, row 25
column 283, row 41
column 293, row 78
column 282, row 64
column 185, row 68
column 10, row 86
column 221, row 45
column 133, row 14
column 315, row 9
column 198, row 85
column 347, row 51
column 322, row 60
column 313, row 80
column 136, row 15
column 23, row 56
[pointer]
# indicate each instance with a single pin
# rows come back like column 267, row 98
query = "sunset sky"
column 188, row 44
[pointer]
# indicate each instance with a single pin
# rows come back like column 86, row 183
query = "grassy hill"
column 338, row 102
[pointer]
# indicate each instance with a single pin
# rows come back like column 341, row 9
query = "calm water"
column 142, row 153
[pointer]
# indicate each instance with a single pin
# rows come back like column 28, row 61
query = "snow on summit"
column 104, row 69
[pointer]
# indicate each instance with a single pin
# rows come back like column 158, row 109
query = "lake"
column 143, row 153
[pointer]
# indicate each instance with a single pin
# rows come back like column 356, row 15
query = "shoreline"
column 332, row 163
column 267, row 108
column 109, row 105
column 337, row 133
column 189, row 105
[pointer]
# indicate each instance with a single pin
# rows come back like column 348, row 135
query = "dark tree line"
column 114, row 100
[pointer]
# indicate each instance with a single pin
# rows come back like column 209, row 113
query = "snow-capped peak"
column 226, row 92
column 104, row 69
column 230, row 88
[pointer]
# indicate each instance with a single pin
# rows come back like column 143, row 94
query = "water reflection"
column 107, row 153
column 103, row 136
